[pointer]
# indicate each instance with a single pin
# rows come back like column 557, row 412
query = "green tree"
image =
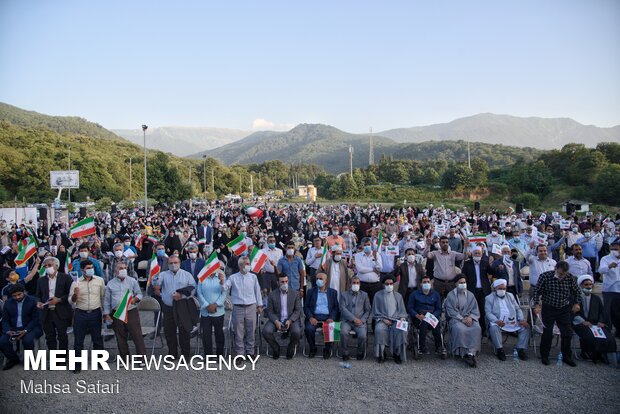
column 607, row 189
column 458, row 176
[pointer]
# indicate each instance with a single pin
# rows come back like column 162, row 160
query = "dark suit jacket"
column 503, row 274
column 274, row 306
column 470, row 273
column 349, row 311
column 403, row 272
column 187, row 266
column 332, row 303
column 30, row 315
column 204, row 232
column 63, row 285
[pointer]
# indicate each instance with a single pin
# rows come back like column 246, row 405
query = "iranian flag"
column 154, row 269
column 254, row 212
column 27, row 250
column 210, row 267
column 380, row 240
column 122, row 312
column 83, row 228
column 238, row 245
column 310, row 218
column 323, row 257
column 257, row 259
column 68, row 263
column 478, row 238
column 331, row 332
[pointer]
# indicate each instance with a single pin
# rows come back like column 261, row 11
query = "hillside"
column 329, row 147
column 182, row 141
column 306, row 143
column 543, row 133
column 59, row 124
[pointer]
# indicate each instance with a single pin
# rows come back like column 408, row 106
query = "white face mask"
column 174, row 267
column 83, row 255
column 290, row 252
column 501, row 293
column 616, row 253
column 193, row 255
column 122, row 274
column 89, row 272
column 426, row 287
column 462, row 286
column 284, row 287
column 50, row 270
column 389, row 288
column 355, row 288
column 337, row 257
column 477, row 259
column 246, row 269
column 410, row 258
column 118, row 253
column 345, row 232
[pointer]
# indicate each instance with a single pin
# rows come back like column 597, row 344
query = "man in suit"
column 20, row 322
column 321, row 306
column 410, row 273
column 193, row 264
column 283, row 311
column 354, row 311
column 205, row 232
column 478, row 275
column 507, row 268
column 53, row 300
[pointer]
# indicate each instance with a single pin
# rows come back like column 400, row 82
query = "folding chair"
column 537, row 329
column 353, row 343
column 317, row 333
column 282, row 342
column 414, row 335
column 149, row 304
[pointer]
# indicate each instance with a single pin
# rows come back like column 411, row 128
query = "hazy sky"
column 350, row 64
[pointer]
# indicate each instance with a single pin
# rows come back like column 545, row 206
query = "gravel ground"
column 428, row 385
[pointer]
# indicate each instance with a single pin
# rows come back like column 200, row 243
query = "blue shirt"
column 171, row 282
column 211, row 291
column 419, row 303
column 588, row 246
column 96, row 265
column 292, row 270
column 19, row 322
column 321, row 304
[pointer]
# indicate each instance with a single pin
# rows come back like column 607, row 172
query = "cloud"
column 265, row 125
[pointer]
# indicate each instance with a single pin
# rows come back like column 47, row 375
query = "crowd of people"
column 399, row 273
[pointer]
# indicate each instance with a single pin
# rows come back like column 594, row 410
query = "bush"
column 528, row 200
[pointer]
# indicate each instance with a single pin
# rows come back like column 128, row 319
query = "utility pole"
column 239, row 184
column 68, row 168
column 204, row 174
column 351, row 160
column 144, row 128
column 212, row 181
column 371, row 153
column 130, row 178
column 468, row 155
column 260, row 186
column 251, row 185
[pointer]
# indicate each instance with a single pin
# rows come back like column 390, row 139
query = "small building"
column 576, row 206
column 308, row 191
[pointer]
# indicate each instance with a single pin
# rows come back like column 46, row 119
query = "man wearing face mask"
column 20, row 323
column 592, row 314
column 313, row 258
column 421, row 302
column 539, row 264
column 517, row 243
column 321, row 305
column 334, row 238
column 368, row 265
column 87, row 296
column 407, row 242
column 193, row 264
column 268, row 278
column 167, row 285
column 409, row 274
column 590, row 248
column 503, row 312
column 117, row 258
column 463, row 314
column 557, row 296
column 337, row 271
column 388, row 308
column 114, row 293
column 354, row 312
column 284, row 313
column 478, row 275
column 610, row 271
column 292, row 266
column 247, row 302
column 573, row 235
column 84, row 252
column 494, row 238
column 507, row 268
column 53, row 300
column 349, row 237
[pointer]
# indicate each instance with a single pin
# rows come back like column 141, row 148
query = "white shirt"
column 334, row 277
column 311, row 260
column 367, row 267
column 413, row 276
column 275, row 255
column 504, row 313
column 51, row 283
column 284, row 305
column 611, row 277
column 537, row 267
column 578, row 267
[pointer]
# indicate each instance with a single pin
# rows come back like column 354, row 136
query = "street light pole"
column 144, row 128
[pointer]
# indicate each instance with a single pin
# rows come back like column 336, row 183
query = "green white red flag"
column 238, row 245
column 122, row 312
column 331, row 332
column 257, row 259
column 27, row 250
column 154, row 269
column 477, row 238
column 323, row 257
column 211, row 266
column 83, row 228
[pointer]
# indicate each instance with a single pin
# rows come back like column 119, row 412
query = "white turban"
column 336, row 247
column 499, row 282
column 476, row 249
column 583, row 278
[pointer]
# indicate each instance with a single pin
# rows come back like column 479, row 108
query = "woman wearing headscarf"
column 591, row 319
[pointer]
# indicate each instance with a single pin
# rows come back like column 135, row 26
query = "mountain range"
column 181, row 140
